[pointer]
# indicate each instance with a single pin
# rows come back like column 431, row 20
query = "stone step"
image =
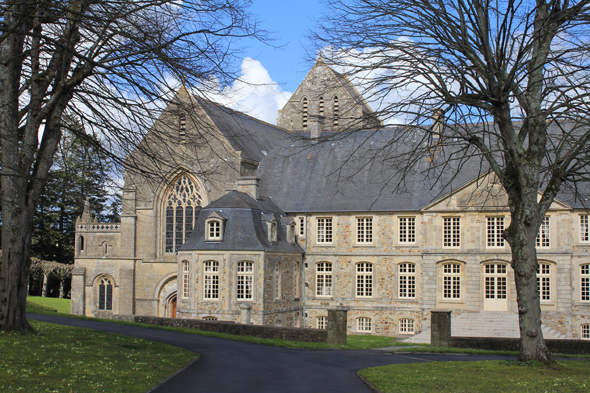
column 484, row 325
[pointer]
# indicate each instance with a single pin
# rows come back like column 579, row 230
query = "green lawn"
column 482, row 377
column 60, row 305
column 57, row 358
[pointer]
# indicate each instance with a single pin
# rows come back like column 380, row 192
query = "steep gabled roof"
column 254, row 138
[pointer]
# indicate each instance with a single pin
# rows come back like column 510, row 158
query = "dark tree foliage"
column 80, row 171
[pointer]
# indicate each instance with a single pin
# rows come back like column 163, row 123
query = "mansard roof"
column 362, row 171
column 253, row 137
column 245, row 228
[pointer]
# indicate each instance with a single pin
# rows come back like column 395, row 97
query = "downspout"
column 303, row 273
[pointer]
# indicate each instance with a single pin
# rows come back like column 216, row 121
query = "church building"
column 229, row 212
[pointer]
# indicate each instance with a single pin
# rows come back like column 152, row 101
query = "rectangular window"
column 586, row 331
column 363, row 325
column 406, row 326
column 585, row 283
column 584, row 235
column 544, row 281
column 407, row 281
column 364, row 230
column 451, row 232
column 185, row 279
column 277, row 280
column 364, row 279
column 301, row 226
column 324, row 229
column 211, row 280
column 324, row 279
column 244, row 281
column 543, row 235
column 494, row 231
column 214, row 230
column 452, row 281
column 322, row 322
column 407, row 229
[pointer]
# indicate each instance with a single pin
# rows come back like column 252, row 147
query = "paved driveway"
column 228, row 366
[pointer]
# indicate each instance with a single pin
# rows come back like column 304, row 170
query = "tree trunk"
column 44, row 291
column 522, row 235
column 14, row 272
column 61, row 289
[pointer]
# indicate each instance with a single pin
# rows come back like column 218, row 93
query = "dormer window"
column 214, row 230
column 272, row 231
column 214, row 227
column 291, row 233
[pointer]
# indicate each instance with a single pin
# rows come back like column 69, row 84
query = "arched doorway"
column 171, row 306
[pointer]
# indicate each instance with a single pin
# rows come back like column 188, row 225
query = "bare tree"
column 112, row 64
column 512, row 79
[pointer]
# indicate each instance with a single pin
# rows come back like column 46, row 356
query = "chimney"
column 249, row 185
column 438, row 121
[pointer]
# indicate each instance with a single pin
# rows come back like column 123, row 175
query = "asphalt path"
column 228, row 366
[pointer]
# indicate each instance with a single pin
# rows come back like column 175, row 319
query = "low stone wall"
column 284, row 333
column 513, row 344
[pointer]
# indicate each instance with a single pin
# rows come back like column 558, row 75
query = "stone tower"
column 326, row 101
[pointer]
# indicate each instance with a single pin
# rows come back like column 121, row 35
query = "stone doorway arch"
column 167, row 296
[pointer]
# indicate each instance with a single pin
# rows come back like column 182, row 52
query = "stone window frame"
column 211, row 280
column 451, row 232
column 406, row 326
column 277, row 280
column 543, row 239
column 584, row 228
column 301, row 226
column 245, row 274
column 324, row 274
column 501, row 279
column 305, row 114
column 98, row 283
column 406, row 228
column 407, row 280
column 364, row 230
column 321, row 322
column 328, row 224
column 445, row 287
column 213, row 230
column 185, row 284
column 364, row 283
column 495, row 226
column 584, row 270
column 546, row 281
column 168, row 228
column 585, row 331
column 209, row 318
column 321, row 106
column 335, row 111
column 364, row 325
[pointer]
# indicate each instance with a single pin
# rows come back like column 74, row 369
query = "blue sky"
column 290, row 21
column 271, row 73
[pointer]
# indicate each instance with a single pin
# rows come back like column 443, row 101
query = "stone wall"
column 513, row 344
column 283, row 333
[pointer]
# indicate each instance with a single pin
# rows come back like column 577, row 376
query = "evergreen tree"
column 80, row 171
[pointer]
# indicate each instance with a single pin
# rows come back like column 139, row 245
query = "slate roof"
column 244, row 228
column 254, row 138
column 360, row 172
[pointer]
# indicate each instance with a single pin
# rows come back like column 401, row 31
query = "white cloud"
column 254, row 93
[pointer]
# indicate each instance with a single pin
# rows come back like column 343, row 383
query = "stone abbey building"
column 234, row 212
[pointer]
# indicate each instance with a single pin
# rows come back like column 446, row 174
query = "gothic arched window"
column 304, row 112
column 105, row 294
column 182, row 205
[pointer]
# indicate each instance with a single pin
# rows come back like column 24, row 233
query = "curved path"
column 235, row 366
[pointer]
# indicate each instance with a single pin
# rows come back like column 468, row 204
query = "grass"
column 57, row 358
column 61, row 306
column 353, row 341
column 482, row 377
